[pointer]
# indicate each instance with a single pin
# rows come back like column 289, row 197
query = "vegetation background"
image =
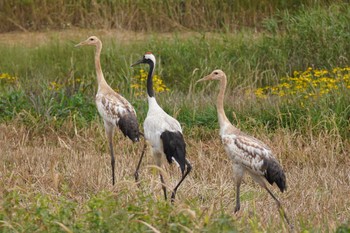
column 289, row 82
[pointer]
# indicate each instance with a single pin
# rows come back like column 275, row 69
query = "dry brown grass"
column 317, row 168
column 146, row 15
column 32, row 39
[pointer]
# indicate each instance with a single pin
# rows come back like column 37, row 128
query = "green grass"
column 104, row 212
column 116, row 212
column 317, row 37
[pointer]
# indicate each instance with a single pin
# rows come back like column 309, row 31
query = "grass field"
column 55, row 173
column 146, row 15
column 61, row 183
column 288, row 86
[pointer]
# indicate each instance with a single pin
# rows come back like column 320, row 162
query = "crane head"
column 148, row 58
column 92, row 40
column 215, row 75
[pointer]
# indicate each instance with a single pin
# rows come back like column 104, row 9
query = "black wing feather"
column 174, row 147
column 129, row 126
column 275, row 174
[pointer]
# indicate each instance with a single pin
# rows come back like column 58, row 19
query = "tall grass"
column 317, row 37
column 145, row 15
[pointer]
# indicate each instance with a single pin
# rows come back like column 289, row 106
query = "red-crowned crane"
column 248, row 154
column 162, row 131
column 115, row 110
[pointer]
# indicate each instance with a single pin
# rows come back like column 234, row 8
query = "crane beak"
column 138, row 62
column 204, row 79
column 81, row 43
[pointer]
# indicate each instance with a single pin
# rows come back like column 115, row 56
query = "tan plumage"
column 115, row 110
column 247, row 153
column 113, row 106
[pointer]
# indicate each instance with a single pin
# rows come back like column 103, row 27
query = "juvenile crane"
column 115, row 110
column 163, row 132
column 247, row 153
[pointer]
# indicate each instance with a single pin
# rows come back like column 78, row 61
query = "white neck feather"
column 152, row 103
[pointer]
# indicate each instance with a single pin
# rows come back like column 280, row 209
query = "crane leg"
column 136, row 174
column 280, row 208
column 238, row 203
column 112, row 161
column 188, row 169
column 238, row 171
column 163, row 186
column 109, row 128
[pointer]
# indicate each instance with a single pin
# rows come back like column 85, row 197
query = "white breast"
column 156, row 122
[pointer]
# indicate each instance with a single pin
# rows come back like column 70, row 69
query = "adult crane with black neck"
column 162, row 131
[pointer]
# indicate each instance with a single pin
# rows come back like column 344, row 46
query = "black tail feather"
column 274, row 174
column 129, row 126
column 174, row 147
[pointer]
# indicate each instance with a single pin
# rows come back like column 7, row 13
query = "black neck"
column 150, row 90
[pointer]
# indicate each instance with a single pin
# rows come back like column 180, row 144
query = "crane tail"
column 129, row 126
column 275, row 174
column 174, row 148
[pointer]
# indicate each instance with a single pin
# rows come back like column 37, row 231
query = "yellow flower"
column 139, row 83
column 295, row 73
column 281, row 93
column 308, row 83
column 55, row 86
column 259, row 92
column 8, row 79
column 135, row 85
column 319, row 73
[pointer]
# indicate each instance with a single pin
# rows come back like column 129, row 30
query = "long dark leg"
column 112, row 161
column 136, row 174
column 163, row 186
column 188, row 169
column 238, row 204
column 280, row 208
column 238, row 172
column 109, row 133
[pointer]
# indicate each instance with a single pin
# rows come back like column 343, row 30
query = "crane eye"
column 91, row 39
column 216, row 73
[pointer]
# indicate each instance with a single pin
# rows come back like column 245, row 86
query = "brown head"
column 215, row 75
column 92, row 41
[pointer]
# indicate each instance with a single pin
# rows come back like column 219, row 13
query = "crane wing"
column 248, row 151
column 255, row 156
column 157, row 122
column 117, row 110
column 174, row 148
column 113, row 107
